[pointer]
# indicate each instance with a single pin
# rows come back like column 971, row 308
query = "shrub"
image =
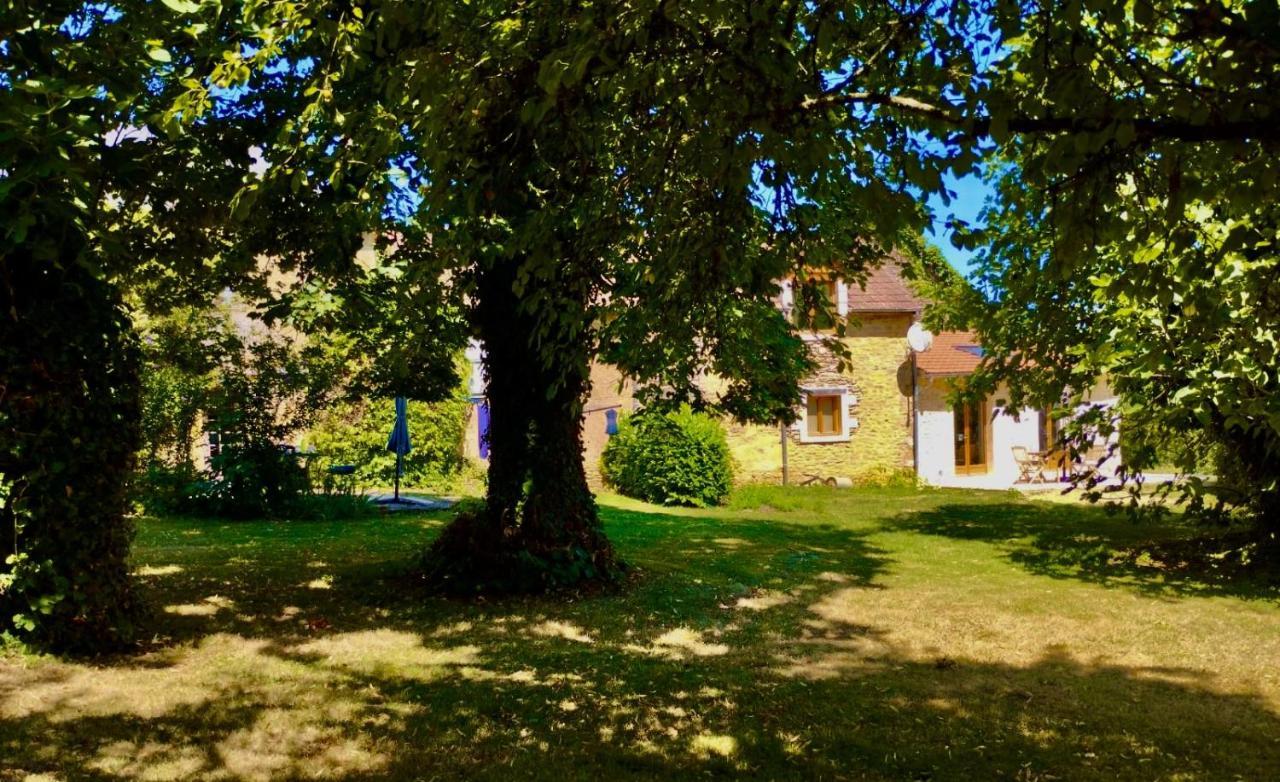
column 161, row 489
column 253, row 480
column 885, row 477
column 675, row 458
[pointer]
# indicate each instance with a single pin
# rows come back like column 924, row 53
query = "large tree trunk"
column 539, row 529
column 69, row 432
column 1250, row 469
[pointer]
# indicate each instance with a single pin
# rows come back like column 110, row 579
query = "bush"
column 885, row 477
column 675, row 458
column 160, row 489
column 255, row 480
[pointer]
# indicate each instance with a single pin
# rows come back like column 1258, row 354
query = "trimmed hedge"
column 679, row 457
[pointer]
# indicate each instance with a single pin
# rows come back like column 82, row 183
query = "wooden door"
column 970, row 438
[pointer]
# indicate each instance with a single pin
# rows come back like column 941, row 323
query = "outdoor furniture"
column 1030, row 465
column 340, row 479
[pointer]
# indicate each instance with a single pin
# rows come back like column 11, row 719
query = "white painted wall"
column 937, row 441
column 936, row 460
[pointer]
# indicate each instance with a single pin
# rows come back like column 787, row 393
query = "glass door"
column 970, row 438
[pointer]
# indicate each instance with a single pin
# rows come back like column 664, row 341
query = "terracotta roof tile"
column 952, row 353
column 886, row 291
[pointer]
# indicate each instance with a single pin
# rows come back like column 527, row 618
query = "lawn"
column 802, row 634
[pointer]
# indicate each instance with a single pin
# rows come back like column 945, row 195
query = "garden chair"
column 1030, row 465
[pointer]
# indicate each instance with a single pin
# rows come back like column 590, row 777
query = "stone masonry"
column 878, row 377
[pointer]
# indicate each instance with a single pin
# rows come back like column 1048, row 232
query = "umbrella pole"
column 399, row 457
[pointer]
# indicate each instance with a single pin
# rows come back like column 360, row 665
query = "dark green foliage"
column 252, row 393
column 678, row 457
column 181, row 351
column 356, row 433
column 69, row 370
column 264, row 394
column 250, row 480
column 160, row 489
column 89, row 205
column 1132, row 238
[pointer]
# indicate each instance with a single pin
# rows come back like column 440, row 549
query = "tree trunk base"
column 473, row 556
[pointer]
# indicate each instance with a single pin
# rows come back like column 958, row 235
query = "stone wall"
column 878, row 376
column 609, row 391
column 881, row 364
column 879, row 384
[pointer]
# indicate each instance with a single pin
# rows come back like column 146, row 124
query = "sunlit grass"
column 800, row 633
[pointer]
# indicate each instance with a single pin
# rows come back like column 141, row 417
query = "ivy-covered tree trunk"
column 69, row 433
column 539, row 528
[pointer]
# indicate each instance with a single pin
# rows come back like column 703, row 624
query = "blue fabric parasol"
column 399, row 443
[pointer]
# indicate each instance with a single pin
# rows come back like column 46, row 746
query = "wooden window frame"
column 969, row 468
column 841, row 398
column 827, row 408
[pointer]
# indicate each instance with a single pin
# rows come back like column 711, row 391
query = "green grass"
column 797, row 634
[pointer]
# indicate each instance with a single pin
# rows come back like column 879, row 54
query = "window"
column 825, row 418
column 815, row 304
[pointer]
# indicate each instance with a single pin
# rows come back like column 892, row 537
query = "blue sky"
column 970, row 193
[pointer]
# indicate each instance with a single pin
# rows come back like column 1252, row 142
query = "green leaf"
column 160, row 55
column 182, row 6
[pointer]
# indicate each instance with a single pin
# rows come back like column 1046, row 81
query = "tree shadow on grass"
column 683, row 565
column 1172, row 558
column 568, row 709
column 718, row 661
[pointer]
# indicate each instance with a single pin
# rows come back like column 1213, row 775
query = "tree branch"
column 1144, row 127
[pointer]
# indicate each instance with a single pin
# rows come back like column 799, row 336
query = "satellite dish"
column 919, row 338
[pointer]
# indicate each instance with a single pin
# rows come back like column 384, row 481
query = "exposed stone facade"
column 610, row 392
column 878, row 414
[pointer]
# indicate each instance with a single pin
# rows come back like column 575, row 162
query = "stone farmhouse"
column 887, row 410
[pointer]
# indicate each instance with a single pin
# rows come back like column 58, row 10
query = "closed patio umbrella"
column 398, row 443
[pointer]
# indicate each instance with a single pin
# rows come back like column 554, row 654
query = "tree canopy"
column 1142, row 248
column 93, row 196
column 622, row 180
